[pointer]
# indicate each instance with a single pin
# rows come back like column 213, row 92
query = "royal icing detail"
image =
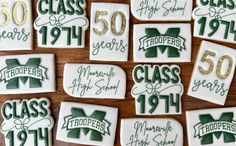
column 16, row 25
column 213, row 73
column 212, row 127
column 27, row 122
column 162, row 10
column 215, row 20
column 151, row 132
column 33, row 73
column 94, row 81
column 157, row 89
column 61, row 23
column 109, row 32
column 87, row 124
column 162, row 43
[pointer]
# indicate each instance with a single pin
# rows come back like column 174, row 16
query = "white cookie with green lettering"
column 61, row 23
column 109, row 32
column 162, row 43
column 215, row 20
column 87, row 124
column 27, row 122
column 212, row 127
column 213, row 73
column 16, row 31
column 29, row 73
column 162, row 10
column 151, row 132
column 94, row 81
column 157, row 89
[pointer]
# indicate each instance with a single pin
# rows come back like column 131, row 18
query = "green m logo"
column 208, row 127
column 79, row 122
column 154, row 41
column 15, row 72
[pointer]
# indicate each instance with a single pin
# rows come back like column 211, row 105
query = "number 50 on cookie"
column 109, row 32
column 15, row 25
column 213, row 73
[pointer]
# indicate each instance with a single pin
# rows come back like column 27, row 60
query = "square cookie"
column 16, row 31
column 162, row 43
column 213, row 73
column 212, row 127
column 29, row 73
column 109, row 32
column 87, row 124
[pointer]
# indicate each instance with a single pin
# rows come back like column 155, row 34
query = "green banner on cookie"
column 87, row 122
column 14, row 71
column 212, row 127
column 171, row 42
column 149, row 42
column 23, row 71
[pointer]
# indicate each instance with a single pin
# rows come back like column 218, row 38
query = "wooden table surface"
column 126, row 107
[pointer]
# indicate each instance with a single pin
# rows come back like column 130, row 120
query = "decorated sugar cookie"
column 157, row 89
column 16, row 25
column 109, row 32
column 162, row 43
column 162, row 10
column 34, row 73
column 212, row 127
column 151, row 132
column 94, row 81
column 61, row 23
column 87, row 124
column 215, row 20
column 213, row 73
column 27, row 122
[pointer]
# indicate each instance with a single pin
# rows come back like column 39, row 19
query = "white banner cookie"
column 33, row 73
column 162, row 43
column 61, row 23
column 16, row 25
column 215, row 20
column 151, row 132
column 27, row 122
column 87, row 124
column 157, row 89
column 109, row 32
column 94, row 81
column 162, row 10
column 212, row 127
column 213, row 73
